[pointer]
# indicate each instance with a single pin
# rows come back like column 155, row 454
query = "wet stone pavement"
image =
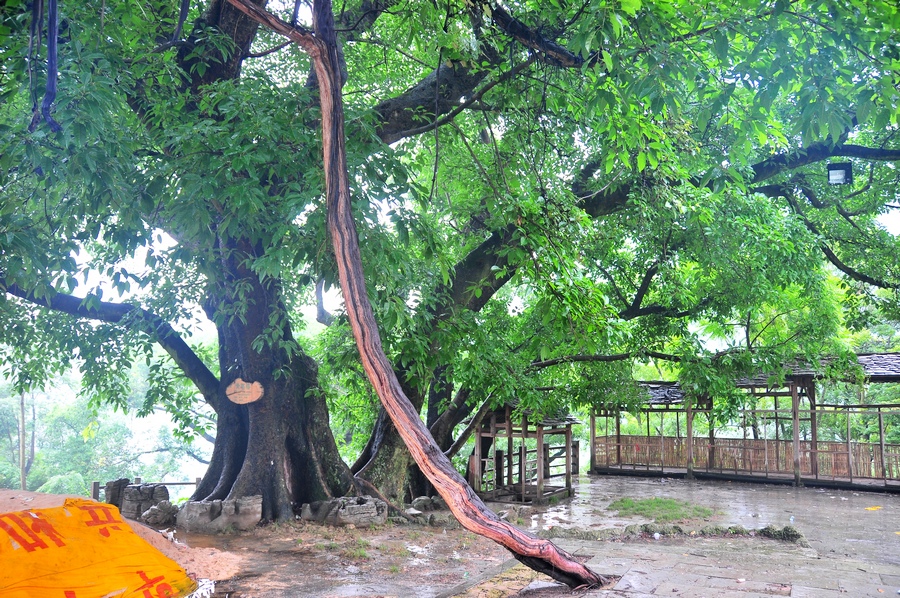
column 853, row 543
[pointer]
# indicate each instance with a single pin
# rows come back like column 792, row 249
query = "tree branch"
column 473, row 425
column 552, row 52
column 785, row 192
column 323, row 316
column 643, row 288
column 138, row 318
column 601, row 358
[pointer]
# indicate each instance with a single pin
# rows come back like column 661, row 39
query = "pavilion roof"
column 550, row 420
column 878, row 368
column 663, row 393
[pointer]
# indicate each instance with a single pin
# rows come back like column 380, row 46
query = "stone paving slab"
column 707, row 567
column 853, row 545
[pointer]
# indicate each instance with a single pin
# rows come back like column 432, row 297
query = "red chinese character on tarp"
column 102, row 515
column 163, row 590
column 29, row 527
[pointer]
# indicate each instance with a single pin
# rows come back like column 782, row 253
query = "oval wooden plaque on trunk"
column 241, row 392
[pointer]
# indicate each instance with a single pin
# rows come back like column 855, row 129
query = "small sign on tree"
column 242, row 392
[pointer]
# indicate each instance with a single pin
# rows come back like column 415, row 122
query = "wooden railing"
column 501, row 469
column 95, row 486
column 830, row 460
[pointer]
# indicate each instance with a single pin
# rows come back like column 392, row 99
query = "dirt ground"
column 408, row 561
column 304, row 559
column 300, row 559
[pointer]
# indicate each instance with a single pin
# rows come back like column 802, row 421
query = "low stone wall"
column 217, row 516
column 138, row 498
column 360, row 511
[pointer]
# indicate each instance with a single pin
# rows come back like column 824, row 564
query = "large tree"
column 530, row 181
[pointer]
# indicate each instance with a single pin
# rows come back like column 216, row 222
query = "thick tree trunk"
column 279, row 446
column 539, row 554
column 385, row 461
column 470, row 511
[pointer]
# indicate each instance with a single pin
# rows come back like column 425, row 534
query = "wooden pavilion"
column 779, row 444
column 528, row 460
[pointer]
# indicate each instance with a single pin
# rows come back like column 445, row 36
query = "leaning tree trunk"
column 541, row 555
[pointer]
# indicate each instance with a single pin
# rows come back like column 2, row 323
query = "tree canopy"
column 545, row 194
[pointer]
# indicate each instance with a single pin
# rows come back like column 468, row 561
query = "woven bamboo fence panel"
column 753, row 456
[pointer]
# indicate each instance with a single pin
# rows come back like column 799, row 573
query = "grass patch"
column 355, row 553
column 660, row 510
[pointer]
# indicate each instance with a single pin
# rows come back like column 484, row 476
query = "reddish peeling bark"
column 541, row 555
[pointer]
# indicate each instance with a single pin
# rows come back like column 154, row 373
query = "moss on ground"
column 786, row 534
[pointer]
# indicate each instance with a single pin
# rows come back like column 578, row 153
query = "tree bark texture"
column 541, row 555
column 280, row 446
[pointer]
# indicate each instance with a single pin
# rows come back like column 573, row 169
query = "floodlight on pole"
column 840, row 173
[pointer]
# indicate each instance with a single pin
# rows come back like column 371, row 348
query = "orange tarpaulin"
column 82, row 549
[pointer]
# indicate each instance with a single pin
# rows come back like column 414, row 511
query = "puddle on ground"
column 825, row 517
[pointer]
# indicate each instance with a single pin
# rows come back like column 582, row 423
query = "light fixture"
column 840, row 173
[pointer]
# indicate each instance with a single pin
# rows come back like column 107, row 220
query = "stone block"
column 443, row 519
column 360, row 511
column 160, row 515
column 217, row 516
column 115, row 490
column 423, row 503
column 137, row 498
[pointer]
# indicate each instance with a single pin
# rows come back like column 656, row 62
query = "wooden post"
column 498, row 471
column 593, row 441
column 744, row 461
column 881, row 445
column 569, row 460
column 849, row 448
column 509, row 449
column 95, row 489
column 523, row 469
column 647, row 444
column 662, row 443
column 677, row 436
column 606, row 436
column 618, row 438
column 814, row 429
column 795, row 416
column 547, row 460
column 576, row 457
column 690, row 440
column 539, row 498
column 711, row 461
column 777, row 438
column 478, row 469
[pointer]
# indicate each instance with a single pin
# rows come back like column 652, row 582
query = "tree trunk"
column 279, row 446
column 385, row 462
column 541, row 555
column 22, row 441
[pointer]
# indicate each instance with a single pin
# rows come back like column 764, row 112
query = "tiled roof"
column 878, row 368
column 561, row 418
column 881, row 367
column 663, row 393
